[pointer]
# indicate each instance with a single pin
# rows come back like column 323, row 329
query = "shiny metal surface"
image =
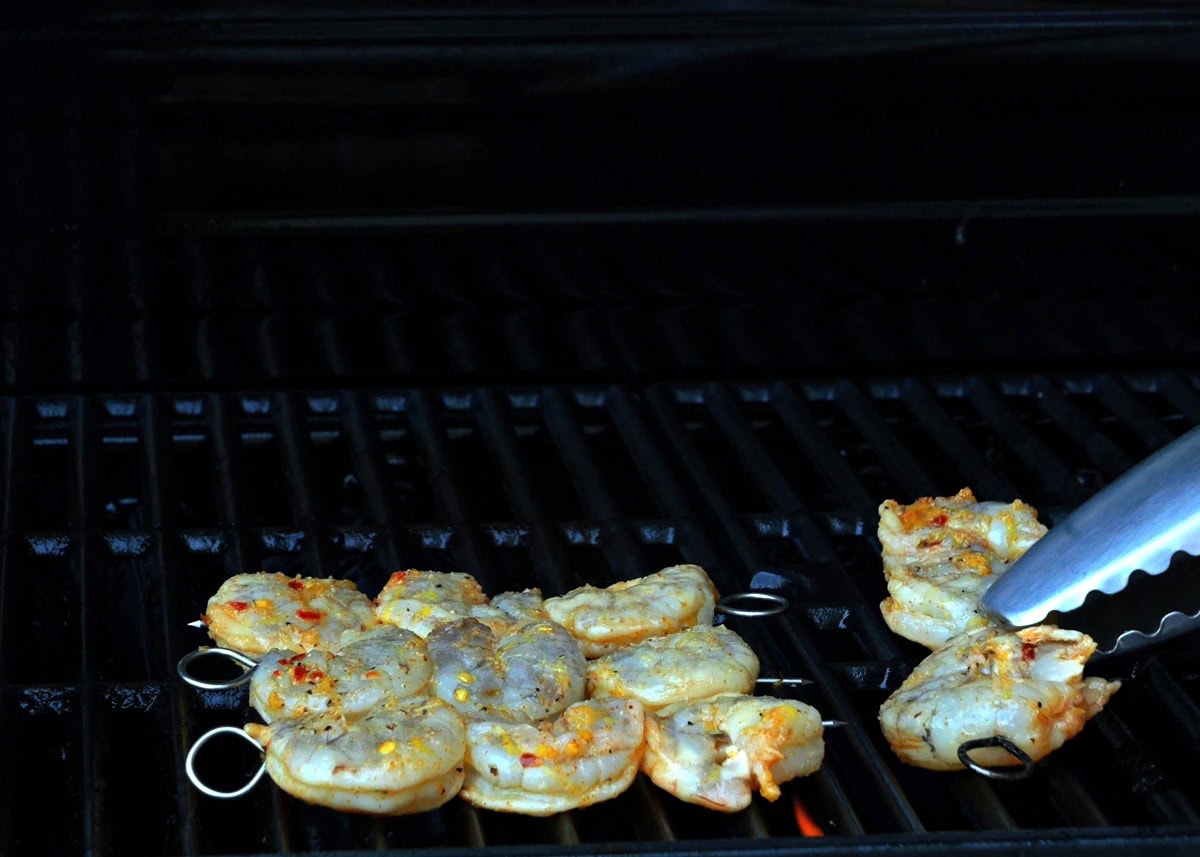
column 1139, row 522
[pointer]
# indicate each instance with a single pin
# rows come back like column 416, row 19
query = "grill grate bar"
column 469, row 549
column 298, row 472
column 81, row 438
column 362, row 433
column 1181, row 395
column 838, row 477
column 1101, row 451
column 1166, row 803
column 984, row 479
column 1071, row 800
column 159, row 497
column 1054, row 476
column 544, row 544
column 913, row 478
column 979, row 803
column 1142, row 424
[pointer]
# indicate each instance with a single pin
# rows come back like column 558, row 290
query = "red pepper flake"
column 239, row 606
column 316, row 675
column 1028, row 652
column 940, row 520
column 277, row 673
column 309, row 615
column 295, row 584
column 397, row 577
column 299, row 671
column 293, row 659
column 529, row 760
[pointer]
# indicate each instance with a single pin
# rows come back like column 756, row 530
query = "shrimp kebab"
column 516, row 704
column 1016, row 695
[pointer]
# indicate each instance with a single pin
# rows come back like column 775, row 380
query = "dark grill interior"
column 555, row 296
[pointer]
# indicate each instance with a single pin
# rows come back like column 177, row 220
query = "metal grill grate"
column 123, row 513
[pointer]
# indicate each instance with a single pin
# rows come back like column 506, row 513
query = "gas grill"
column 557, row 299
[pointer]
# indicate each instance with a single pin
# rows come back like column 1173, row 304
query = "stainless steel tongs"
column 1139, row 523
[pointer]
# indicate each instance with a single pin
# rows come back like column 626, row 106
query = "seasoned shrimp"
column 421, row 600
column 604, row 620
column 401, row 758
column 509, row 609
column 257, row 612
column 717, row 752
column 383, row 663
column 525, row 673
column 691, row 665
column 940, row 554
column 590, row 753
column 1025, row 685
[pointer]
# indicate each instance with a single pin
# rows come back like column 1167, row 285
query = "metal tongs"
column 1139, row 523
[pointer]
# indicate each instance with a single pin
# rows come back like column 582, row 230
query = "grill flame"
column 804, row 821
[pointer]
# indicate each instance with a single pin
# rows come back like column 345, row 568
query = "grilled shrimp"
column 604, row 620
column 421, row 600
column 1025, row 685
column 401, row 758
column 509, row 609
column 590, row 753
column 524, row 673
column 718, row 751
column 940, row 554
column 383, row 663
column 257, row 612
column 693, row 664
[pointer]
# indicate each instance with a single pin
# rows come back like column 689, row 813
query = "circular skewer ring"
column 753, row 603
column 222, row 684
column 1027, row 764
column 201, row 741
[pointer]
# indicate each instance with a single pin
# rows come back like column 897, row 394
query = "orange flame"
column 804, row 821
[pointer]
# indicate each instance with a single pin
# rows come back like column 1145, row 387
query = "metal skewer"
column 782, row 681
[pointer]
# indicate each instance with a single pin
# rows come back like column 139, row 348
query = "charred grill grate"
column 123, row 513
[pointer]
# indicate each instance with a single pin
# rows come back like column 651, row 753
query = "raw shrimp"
column 718, row 751
column 401, row 758
column 604, row 620
column 382, row 663
column 257, row 612
column 940, row 554
column 422, row 600
column 1025, row 685
column 590, row 753
column 693, row 664
column 526, row 673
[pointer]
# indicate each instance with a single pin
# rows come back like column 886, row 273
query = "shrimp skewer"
column 717, row 752
column 590, row 753
column 604, row 620
column 690, row 665
column 1025, row 686
column 254, row 613
column 384, row 663
column 401, row 758
column 525, row 673
column 420, row 601
column 940, row 554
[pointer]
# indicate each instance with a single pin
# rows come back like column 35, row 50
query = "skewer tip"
column 782, row 681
